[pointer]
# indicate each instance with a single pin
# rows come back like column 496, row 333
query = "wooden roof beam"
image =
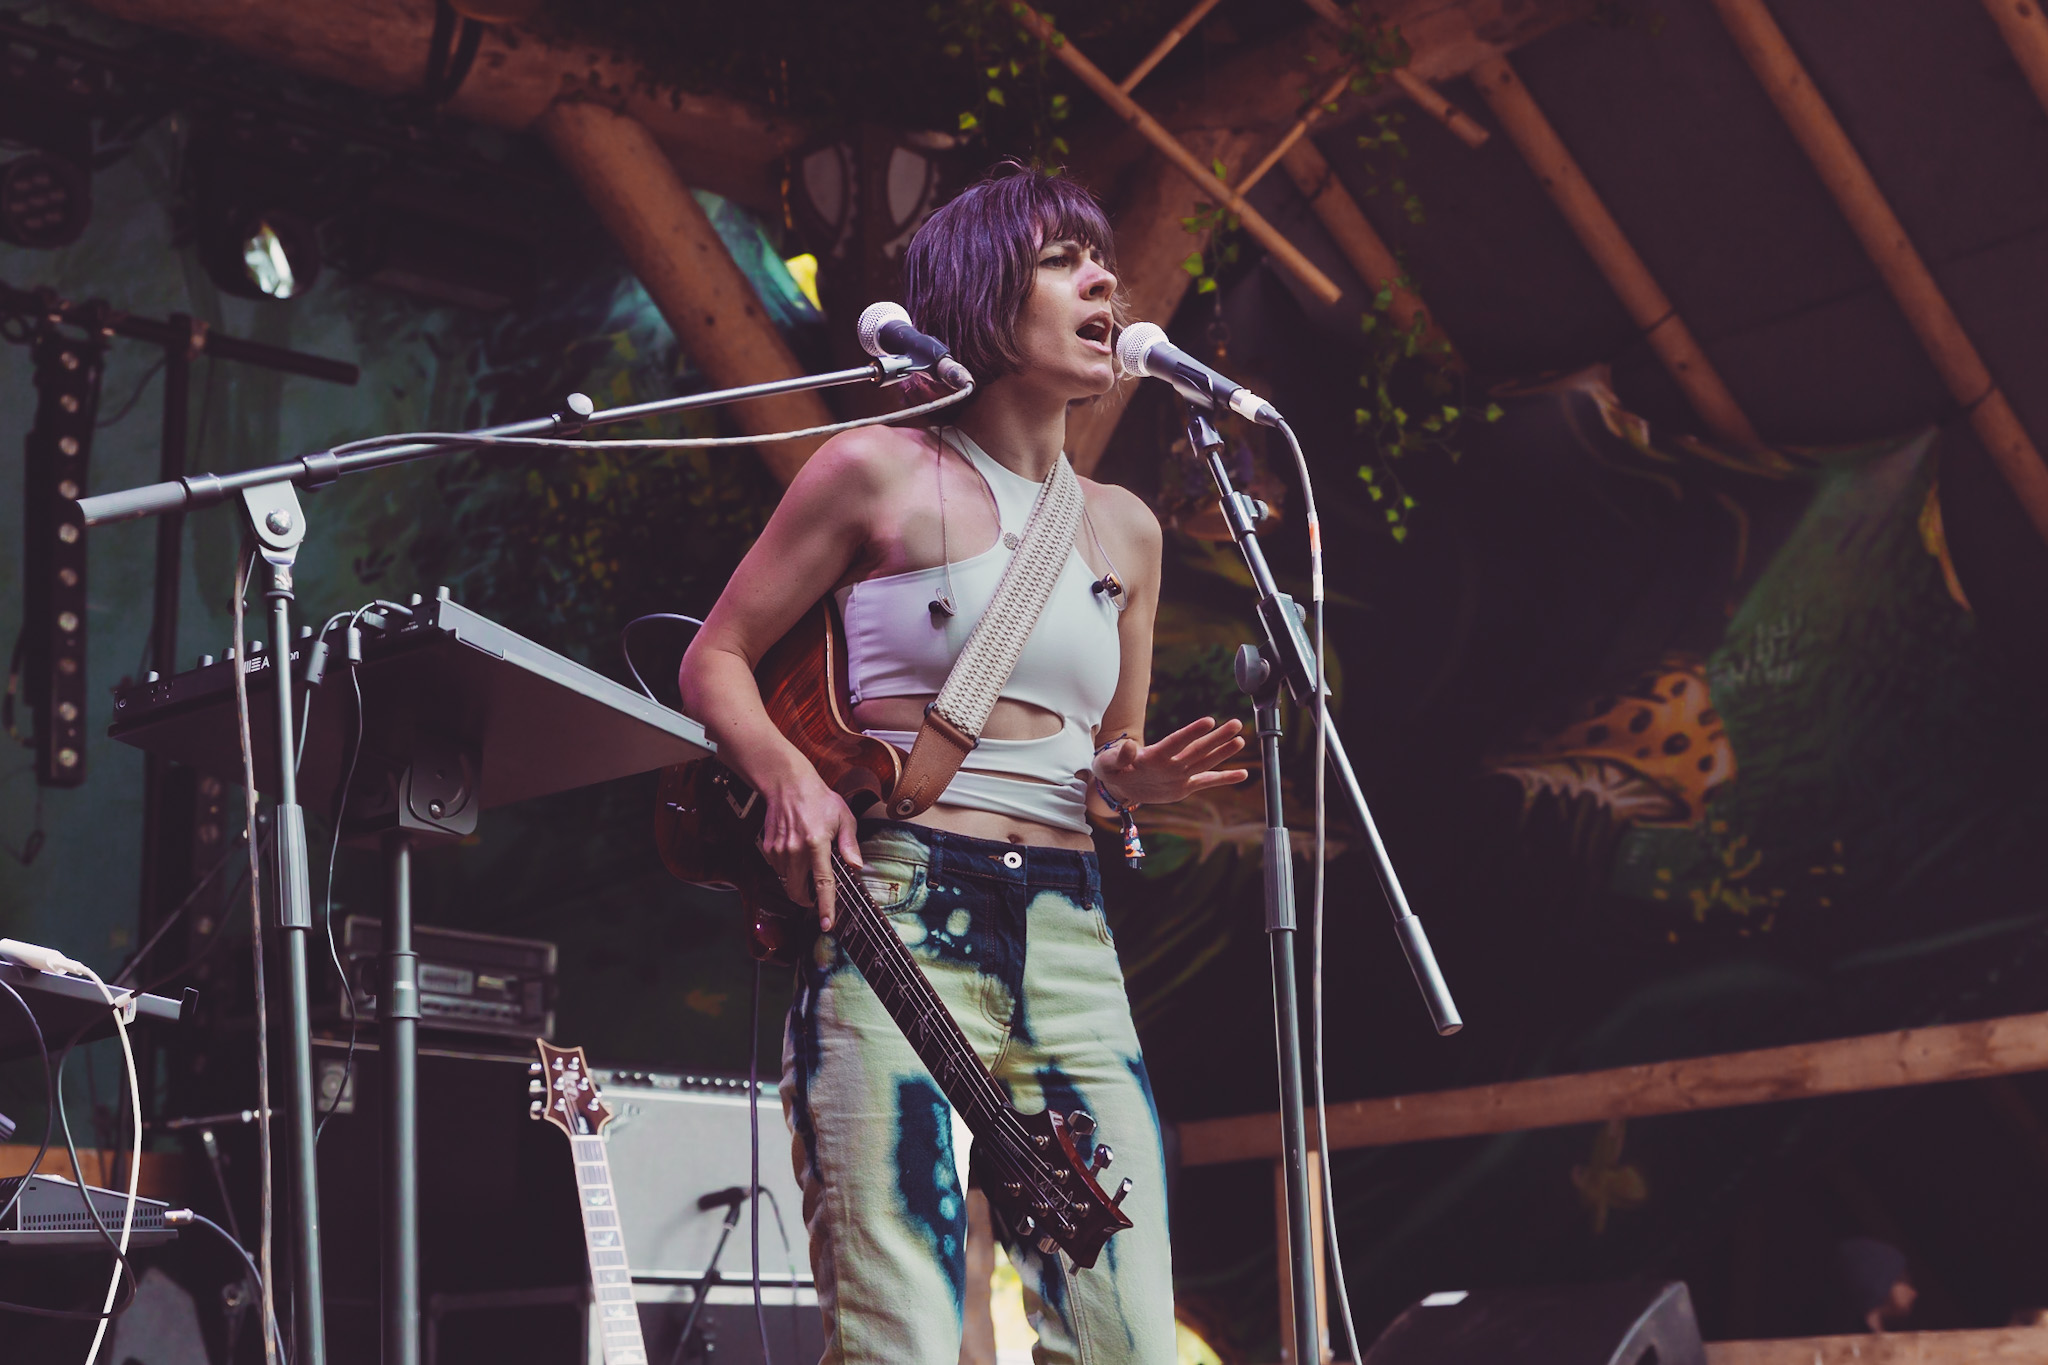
column 1427, row 98
column 1818, row 133
column 1841, row 1066
column 1576, row 199
column 2025, row 30
column 1283, row 252
column 679, row 257
column 1167, row 44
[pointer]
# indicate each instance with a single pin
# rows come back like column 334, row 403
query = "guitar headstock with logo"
column 563, row 1092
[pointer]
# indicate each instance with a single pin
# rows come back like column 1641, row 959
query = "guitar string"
column 1001, row 1112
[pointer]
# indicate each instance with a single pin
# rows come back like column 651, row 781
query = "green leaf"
column 1406, row 501
column 1205, row 285
column 1059, row 146
column 1393, row 517
column 1376, row 491
column 1493, row 412
column 1450, row 413
column 994, row 71
column 1193, row 264
column 995, row 95
column 1399, row 533
column 968, row 122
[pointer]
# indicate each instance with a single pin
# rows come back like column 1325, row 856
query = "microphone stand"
column 1287, row 661
column 272, row 513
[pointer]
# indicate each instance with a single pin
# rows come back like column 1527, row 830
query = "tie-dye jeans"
column 1014, row 940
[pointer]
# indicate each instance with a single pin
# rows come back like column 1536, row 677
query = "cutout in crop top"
column 1070, row 664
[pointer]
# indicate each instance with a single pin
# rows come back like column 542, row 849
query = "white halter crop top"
column 897, row 647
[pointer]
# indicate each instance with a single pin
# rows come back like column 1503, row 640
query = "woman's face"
column 1065, row 332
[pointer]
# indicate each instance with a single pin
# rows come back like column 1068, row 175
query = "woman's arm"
column 1185, row 761
column 817, row 534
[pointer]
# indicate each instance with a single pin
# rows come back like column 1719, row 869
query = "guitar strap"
column 953, row 720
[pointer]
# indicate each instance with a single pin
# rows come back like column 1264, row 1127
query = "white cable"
column 467, row 438
column 122, row 1009
column 1322, row 721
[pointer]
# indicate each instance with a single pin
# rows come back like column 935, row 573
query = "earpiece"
column 1108, row 586
column 942, row 605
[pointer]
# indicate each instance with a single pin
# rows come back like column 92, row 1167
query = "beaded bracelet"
column 1134, row 847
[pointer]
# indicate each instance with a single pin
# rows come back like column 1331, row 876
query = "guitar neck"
column 612, row 1278
column 871, row 941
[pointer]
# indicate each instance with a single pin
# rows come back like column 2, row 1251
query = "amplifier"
column 51, row 1216
column 674, row 1138
column 469, row 983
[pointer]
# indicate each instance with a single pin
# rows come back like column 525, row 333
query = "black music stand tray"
column 68, row 1006
column 460, row 714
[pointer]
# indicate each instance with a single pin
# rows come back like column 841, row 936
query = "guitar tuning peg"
column 1014, row 1188
column 1121, row 1190
column 535, row 1087
column 533, row 1068
column 1047, row 1244
column 536, row 1109
column 1081, row 1123
column 1025, row 1227
column 1103, row 1156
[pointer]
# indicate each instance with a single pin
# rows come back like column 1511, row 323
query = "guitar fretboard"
column 618, row 1316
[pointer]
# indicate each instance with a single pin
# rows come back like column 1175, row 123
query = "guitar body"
column 1040, row 1171
column 703, row 814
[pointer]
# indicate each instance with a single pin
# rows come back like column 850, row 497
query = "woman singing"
column 995, row 888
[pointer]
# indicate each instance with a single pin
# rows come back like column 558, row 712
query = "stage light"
column 45, row 201
column 266, row 253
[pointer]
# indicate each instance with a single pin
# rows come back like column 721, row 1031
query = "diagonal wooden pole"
column 1463, row 126
column 1363, row 247
column 1284, row 253
column 1166, row 45
column 1884, row 239
column 1604, row 241
column 2025, row 30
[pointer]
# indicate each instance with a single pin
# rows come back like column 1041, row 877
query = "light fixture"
column 45, row 201
column 267, row 253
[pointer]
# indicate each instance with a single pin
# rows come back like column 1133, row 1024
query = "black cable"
column 141, row 385
column 348, row 990
column 626, row 643
column 149, row 945
column 50, row 1093
column 247, row 1260
column 127, row 1272
column 754, row 1170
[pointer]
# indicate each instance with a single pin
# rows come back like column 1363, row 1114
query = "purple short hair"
column 971, row 265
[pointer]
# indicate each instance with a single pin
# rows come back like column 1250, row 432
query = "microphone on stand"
column 1144, row 350
column 884, row 329
column 730, row 1197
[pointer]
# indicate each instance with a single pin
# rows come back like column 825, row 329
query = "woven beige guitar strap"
column 953, row 721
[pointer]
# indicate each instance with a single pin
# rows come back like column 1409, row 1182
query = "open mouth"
column 1096, row 332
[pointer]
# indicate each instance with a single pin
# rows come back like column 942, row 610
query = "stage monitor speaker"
column 676, row 1138
column 1633, row 1322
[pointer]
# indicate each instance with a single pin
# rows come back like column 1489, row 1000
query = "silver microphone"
column 1144, row 350
column 884, row 329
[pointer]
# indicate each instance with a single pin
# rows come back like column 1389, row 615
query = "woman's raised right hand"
column 805, row 821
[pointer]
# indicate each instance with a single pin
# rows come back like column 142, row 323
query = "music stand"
column 460, row 715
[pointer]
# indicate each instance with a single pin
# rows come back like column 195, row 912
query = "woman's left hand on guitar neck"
column 1174, row 768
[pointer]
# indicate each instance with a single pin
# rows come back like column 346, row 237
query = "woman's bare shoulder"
column 866, row 459
column 1118, row 508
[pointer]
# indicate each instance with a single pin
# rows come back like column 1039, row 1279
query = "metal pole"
column 398, row 1012
column 295, row 919
column 1259, row 677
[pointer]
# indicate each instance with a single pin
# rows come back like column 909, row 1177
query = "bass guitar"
column 565, row 1096
column 1040, row 1171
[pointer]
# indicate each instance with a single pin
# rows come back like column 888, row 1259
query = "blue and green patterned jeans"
column 1013, row 938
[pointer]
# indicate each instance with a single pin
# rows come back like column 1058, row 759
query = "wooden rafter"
column 1844, row 1066
column 684, row 265
column 1605, row 242
column 1368, row 254
column 1166, row 45
column 1426, row 96
column 1990, row 1346
column 1820, row 135
column 1283, row 252
column 2025, row 30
